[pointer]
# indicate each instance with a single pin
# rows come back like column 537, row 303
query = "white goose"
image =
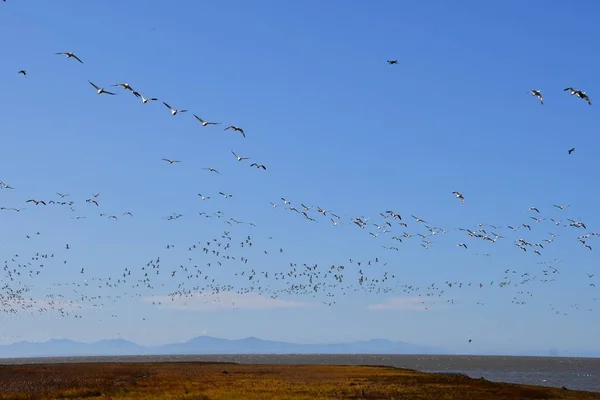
column 70, row 55
column 173, row 110
column 144, row 100
column 100, row 90
column 238, row 157
column 205, row 123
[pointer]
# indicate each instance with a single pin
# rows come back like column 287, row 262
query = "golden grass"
column 227, row 381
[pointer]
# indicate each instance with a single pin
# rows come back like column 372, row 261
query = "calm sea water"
column 574, row 373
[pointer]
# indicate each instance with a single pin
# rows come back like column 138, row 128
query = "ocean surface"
column 573, row 373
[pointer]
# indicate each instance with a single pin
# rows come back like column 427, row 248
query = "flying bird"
column 144, row 100
column 392, row 62
column 211, row 170
column 125, row 86
column 36, row 202
column 538, row 94
column 22, row 72
column 205, row 123
column 582, row 95
column 170, row 161
column 238, row 157
column 70, row 55
column 459, row 196
column 173, row 110
column 237, row 129
column 100, row 90
column 258, row 166
column 571, row 150
column 419, row 219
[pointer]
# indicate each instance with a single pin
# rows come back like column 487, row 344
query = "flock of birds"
column 202, row 272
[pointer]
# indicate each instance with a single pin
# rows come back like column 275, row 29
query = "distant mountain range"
column 205, row 345
column 211, row 345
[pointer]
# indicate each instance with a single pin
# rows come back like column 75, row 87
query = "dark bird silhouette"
column 237, row 129
column 571, row 150
column 579, row 93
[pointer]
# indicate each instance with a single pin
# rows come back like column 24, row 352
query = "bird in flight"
column 100, row 90
column 5, row 186
column 533, row 209
column 170, row 161
column 205, row 123
column 70, row 55
column 258, row 166
column 22, row 72
column 392, row 62
column 237, row 129
column 418, row 219
column 173, row 110
column 238, row 157
column 36, row 202
column 125, row 86
column 459, row 196
column 582, row 95
column 144, row 100
column 211, row 170
column 538, row 94
column 571, row 150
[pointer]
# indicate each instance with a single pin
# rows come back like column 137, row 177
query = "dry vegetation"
column 221, row 381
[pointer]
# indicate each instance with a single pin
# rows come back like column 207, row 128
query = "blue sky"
column 338, row 128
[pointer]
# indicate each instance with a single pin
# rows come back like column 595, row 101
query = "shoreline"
column 574, row 373
column 219, row 380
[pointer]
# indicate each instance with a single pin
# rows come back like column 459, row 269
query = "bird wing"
column 77, row 58
column 91, row 83
column 168, row 106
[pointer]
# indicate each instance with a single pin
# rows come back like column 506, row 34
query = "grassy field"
column 223, row 381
